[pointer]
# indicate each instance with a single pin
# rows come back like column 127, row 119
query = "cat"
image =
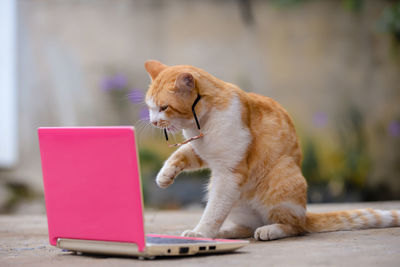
column 250, row 145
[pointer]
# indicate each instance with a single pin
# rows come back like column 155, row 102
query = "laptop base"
column 151, row 250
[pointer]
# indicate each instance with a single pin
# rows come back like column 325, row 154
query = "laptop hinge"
column 100, row 247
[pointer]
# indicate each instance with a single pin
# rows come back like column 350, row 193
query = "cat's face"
column 170, row 96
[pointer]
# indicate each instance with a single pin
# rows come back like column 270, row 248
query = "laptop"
column 94, row 200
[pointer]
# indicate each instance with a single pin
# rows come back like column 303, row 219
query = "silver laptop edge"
column 151, row 250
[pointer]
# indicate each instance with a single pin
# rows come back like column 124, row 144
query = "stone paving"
column 23, row 242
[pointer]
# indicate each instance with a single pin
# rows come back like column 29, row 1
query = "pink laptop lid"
column 92, row 184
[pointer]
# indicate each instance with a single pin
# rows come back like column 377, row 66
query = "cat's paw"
column 192, row 233
column 166, row 175
column 269, row 232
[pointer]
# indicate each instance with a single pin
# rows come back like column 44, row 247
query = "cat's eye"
column 163, row 108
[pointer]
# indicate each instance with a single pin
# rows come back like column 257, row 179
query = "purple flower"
column 119, row 81
column 116, row 82
column 320, row 119
column 136, row 96
column 107, row 84
column 394, row 128
column 144, row 114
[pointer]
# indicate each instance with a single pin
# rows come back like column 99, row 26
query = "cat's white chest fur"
column 225, row 138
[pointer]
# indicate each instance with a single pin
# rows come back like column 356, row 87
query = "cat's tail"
column 351, row 220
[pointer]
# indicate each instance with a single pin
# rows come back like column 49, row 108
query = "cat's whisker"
column 143, row 128
column 173, row 131
column 141, row 124
column 173, row 134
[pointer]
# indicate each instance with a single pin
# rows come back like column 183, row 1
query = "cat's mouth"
column 163, row 124
column 197, row 124
column 166, row 125
column 171, row 129
column 167, row 129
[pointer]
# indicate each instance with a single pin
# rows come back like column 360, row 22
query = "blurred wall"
column 315, row 58
column 8, row 96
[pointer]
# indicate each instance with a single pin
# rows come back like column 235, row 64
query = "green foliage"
column 390, row 21
column 18, row 192
column 310, row 165
column 353, row 5
column 149, row 160
column 338, row 169
column 287, row 3
column 150, row 163
column 350, row 5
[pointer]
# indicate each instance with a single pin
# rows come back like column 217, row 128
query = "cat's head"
column 171, row 95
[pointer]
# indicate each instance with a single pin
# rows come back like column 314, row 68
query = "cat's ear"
column 184, row 82
column 154, row 68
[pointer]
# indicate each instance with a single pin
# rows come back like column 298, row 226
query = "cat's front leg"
column 222, row 196
column 182, row 159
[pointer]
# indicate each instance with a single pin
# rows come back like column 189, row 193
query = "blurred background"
column 334, row 65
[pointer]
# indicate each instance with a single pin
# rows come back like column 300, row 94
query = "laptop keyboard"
column 169, row 240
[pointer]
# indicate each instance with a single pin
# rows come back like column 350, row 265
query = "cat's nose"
column 154, row 123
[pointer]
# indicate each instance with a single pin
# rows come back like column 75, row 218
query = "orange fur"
column 267, row 173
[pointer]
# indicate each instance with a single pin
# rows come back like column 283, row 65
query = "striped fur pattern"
column 352, row 220
column 251, row 147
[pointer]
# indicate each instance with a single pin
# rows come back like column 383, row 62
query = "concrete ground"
column 23, row 242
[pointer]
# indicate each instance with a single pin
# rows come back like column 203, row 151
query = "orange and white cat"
column 252, row 149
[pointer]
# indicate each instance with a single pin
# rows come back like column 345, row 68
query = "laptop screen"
column 92, row 184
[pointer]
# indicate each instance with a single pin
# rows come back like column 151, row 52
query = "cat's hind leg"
column 286, row 202
column 275, row 231
column 235, row 231
column 288, row 219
